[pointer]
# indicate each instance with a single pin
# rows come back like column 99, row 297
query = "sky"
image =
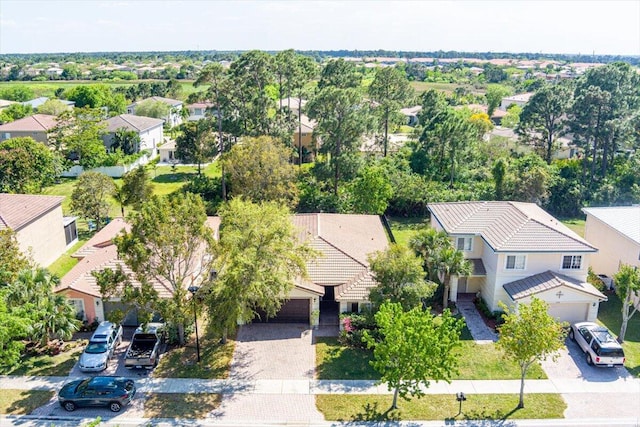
column 572, row 27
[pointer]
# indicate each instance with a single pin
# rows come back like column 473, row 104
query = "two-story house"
column 149, row 130
column 519, row 251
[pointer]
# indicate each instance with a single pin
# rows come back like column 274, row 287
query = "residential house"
column 36, row 126
column 36, row 103
column 99, row 253
column 149, row 129
column 616, row 232
column 168, row 152
column 520, row 99
column 519, row 251
column 42, row 232
column 338, row 280
column 303, row 135
column 173, row 118
column 198, row 110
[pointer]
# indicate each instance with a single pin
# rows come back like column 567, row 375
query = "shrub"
column 595, row 280
column 354, row 325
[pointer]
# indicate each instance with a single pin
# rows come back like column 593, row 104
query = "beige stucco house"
column 338, row 280
column 519, row 251
column 37, row 127
column 43, row 233
column 616, row 232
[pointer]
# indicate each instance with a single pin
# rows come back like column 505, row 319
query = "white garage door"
column 569, row 312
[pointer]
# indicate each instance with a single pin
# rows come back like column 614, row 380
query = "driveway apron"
column 271, row 352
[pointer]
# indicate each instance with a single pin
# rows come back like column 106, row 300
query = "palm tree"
column 450, row 261
column 427, row 244
column 50, row 315
column 57, row 319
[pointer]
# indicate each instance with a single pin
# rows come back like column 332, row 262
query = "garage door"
column 131, row 318
column 292, row 311
column 569, row 312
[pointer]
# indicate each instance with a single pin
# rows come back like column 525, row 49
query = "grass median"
column 351, row 408
column 176, row 405
column 23, row 402
column 335, row 361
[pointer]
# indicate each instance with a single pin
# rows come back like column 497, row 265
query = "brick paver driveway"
column 271, row 352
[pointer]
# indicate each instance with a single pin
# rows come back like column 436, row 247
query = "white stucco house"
column 519, row 251
column 616, row 232
column 173, row 118
column 149, row 129
column 42, row 232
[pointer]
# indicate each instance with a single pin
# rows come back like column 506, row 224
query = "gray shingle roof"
column 546, row 281
column 477, row 267
column 509, row 226
column 624, row 219
column 131, row 122
column 18, row 210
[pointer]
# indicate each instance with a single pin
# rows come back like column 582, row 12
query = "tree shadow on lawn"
column 173, row 177
column 485, row 418
column 371, row 412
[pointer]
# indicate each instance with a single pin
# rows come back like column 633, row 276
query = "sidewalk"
column 314, row 387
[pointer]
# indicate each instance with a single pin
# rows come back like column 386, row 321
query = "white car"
column 101, row 347
column 600, row 347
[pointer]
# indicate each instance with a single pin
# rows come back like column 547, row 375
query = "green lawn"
column 181, row 362
column 23, row 402
column 44, row 365
column 352, row 408
column 420, row 87
column 575, row 224
column 476, row 362
column 609, row 314
column 405, row 228
column 174, row 405
column 336, row 361
column 66, row 262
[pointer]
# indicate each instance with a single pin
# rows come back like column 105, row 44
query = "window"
column 464, row 243
column 354, row 307
column 515, row 262
column 70, row 232
column 571, row 262
column 78, row 304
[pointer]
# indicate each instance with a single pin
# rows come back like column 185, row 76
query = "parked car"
column 144, row 350
column 113, row 392
column 600, row 347
column 101, row 347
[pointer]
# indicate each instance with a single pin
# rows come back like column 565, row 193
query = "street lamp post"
column 193, row 290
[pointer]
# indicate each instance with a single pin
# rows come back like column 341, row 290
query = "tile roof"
column 18, row 210
column 132, row 122
column 509, row 226
column 97, row 254
column 546, row 281
column 35, row 123
column 624, row 219
column 477, row 267
column 344, row 242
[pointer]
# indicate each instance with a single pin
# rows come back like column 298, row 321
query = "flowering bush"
column 353, row 327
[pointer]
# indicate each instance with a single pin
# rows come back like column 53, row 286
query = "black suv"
column 113, row 392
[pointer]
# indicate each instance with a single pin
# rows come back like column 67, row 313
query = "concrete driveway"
column 572, row 364
column 571, row 368
column 272, row 352
column 116, row 364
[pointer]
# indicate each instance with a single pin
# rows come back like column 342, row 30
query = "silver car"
column 101, row 347
column 600, row 347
